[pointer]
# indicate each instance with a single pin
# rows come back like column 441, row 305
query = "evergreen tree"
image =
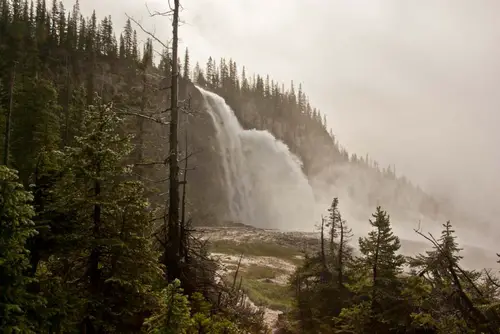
column 122, row 52
column 379, row 256
column 210, row 71
column 245, row 87
column 37, row 119
column 445, row 252
column 334, row 219
column 128, row 36
column 454, row 291
column 114, row 263
column 173, row 315
column 15, row 228
column 198, row 75
column 135, row 49
column 186, row 69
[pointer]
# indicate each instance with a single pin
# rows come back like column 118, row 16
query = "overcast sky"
column 413, row 83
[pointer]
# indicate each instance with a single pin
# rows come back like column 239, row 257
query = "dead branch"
column 153, row 163
column 156, row 120
column 166, row 161
column 150, row 34
column 237, row 270
column 157, row 13
column 472, row 312
column 162, row 243
column 491, row 279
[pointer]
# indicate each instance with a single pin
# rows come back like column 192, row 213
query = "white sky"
column 414, row 83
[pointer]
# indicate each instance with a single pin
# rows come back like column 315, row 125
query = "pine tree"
column 210, row 72
column 128, row 39
column 379, row 255
column 245, row 87
column 113, row 258
column 15, row 228
column 198, row 75
column 334, row 219
column 344, row 252
column 82, row 34
column 233, row 76
column 62, row 25
column 186, row 70
column 173, row 316
column 267, row 89
column 135, row 49
column 301, row 99
column 54, row 20
column 37, row 119
column 446, row 252
column 122, row 52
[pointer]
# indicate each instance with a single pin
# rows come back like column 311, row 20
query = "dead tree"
column 183, row 224
column 345, row 235
column 323, row 255
column 171, row 228
column 172, row 252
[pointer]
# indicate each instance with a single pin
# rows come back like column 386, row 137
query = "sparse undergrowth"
column 268, row 294
column 258, row 284
column 265, row 267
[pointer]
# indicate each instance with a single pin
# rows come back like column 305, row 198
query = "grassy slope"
column 257, row 248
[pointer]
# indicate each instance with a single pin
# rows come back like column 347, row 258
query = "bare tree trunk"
column 341, row 254
column 375, row 281
column 323, row 256
column 66, row 105
column 172, row 250
column 140, row 144
column 8, row 117
column 183, row 236
column 93, row 271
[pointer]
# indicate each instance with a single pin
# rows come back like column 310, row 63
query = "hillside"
column 60, row 50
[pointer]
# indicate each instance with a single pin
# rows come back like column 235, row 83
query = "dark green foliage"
column 380, row 266
column 320, row 284
column 112, row 256
column 179, row 315
column 435, row 295
column 15, row 228
column 37, row 124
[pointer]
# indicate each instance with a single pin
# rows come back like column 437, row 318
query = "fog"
column 411, row 83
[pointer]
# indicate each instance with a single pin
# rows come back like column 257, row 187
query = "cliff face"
column 360, row 183
column 206, row 193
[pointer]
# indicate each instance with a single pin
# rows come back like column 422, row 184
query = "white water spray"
column 264, row 181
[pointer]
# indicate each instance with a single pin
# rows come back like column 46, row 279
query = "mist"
column 411, row 83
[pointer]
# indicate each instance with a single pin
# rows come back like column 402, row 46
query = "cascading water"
column 264, row 181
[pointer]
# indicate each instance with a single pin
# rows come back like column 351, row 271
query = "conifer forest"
column 111, row 167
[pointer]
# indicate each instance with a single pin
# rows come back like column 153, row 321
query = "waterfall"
column 264, row 181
